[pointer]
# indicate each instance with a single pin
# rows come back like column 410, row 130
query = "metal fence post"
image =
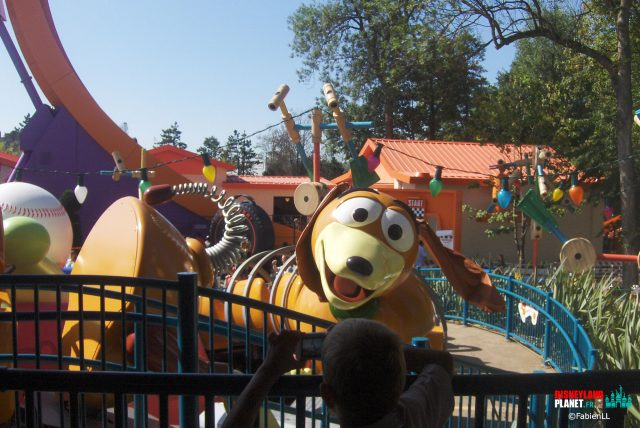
column 139, row 354
column 576, row 324
column 301, row 411
column 538, row 408
column 593, row 358
column 547, row 328
column 509, row 320
column 188, row 342
column 465, row 312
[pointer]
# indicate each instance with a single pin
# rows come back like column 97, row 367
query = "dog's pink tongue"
column 348, row 290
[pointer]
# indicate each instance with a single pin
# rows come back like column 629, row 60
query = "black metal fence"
column 112, row 351
column 527, row 388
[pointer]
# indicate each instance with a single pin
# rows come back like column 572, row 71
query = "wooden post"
column 332, row 101
column 278, row 101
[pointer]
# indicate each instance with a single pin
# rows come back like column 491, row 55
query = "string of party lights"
column 504, row 196
column 81, row 191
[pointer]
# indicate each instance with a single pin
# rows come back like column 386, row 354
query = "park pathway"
column 481, row 347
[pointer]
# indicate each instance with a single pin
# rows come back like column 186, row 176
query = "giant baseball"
column 28, row 200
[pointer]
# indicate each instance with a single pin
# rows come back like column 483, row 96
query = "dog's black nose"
column 359, row 265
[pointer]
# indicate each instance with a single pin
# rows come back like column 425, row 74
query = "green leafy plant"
column 610, row 314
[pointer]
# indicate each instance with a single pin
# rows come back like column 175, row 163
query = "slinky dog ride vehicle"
column 355, row 259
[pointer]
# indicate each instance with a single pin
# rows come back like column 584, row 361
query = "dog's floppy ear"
column 307, row 268
column 468, row 279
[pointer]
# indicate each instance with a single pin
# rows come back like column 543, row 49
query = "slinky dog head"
column 359, row 244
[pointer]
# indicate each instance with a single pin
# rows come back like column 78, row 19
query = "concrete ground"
column 482, row 347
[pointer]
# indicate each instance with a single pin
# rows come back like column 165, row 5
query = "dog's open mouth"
column 344, row 288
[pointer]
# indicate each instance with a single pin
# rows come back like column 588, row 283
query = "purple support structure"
column 25, row 78
column 56, row 149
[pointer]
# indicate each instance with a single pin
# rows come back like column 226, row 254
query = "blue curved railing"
column 558, row 336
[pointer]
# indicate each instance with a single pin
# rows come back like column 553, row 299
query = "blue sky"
column 211, row 66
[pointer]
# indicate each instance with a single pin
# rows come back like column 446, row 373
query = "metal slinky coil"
column 226, row 252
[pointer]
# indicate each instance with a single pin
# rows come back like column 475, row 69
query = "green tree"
column 601, row 30
column 552, row 96
column 240, row 152
column 518, row 110
column 331, row 167
column 211, row 146
column 10, row 141
column 386, row 59
column 281, row 157
column 171, row 135
column 444, row 79
column 509, row 221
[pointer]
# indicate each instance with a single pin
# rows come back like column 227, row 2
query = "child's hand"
column 281, row 356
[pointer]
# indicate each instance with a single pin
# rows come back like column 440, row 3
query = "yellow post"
column 278, row 101
column 332, row 101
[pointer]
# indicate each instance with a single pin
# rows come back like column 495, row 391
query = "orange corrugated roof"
column 403, row 159
column 269, row 180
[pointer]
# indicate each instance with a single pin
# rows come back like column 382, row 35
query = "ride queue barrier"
column 481, row 387
column 45, row 378
column 558, row 336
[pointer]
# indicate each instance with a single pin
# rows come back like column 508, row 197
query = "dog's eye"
column 398, row 230
column 357, row 212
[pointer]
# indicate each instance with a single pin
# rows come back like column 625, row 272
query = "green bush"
column 610, row 314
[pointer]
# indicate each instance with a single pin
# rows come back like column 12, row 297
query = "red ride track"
column 41, row 47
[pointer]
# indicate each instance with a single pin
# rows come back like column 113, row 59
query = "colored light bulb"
column 144, row 182
column 504, row 195
column 209, row 173
column 374, row 159
column 576, row 192
column 557, row 194
column 208, row 170
column 372, row 163
column 608, row 212
column 435, row 185
column 143, row 186
column 80, row 190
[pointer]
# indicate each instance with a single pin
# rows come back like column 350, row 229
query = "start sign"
column 417, row 205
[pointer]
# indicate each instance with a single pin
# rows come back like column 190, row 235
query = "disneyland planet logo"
column 590, row 399
column 577, row 398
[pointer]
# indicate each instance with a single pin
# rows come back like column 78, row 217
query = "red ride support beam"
column 617, row 257
column 316, row 136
